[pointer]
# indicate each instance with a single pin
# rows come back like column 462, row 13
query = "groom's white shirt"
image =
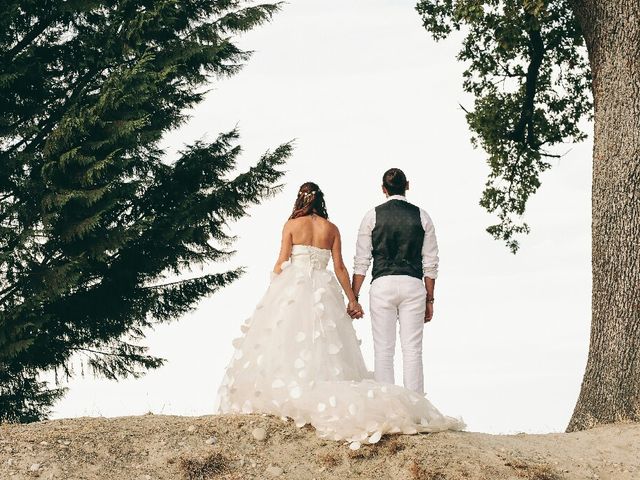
column 362, row 259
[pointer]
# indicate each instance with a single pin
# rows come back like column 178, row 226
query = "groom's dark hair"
column 394, row 181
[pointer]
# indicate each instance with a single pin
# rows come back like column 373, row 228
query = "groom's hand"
column 354, row 309
column 428, row 313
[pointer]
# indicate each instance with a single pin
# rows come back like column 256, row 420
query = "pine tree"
column 93, row 217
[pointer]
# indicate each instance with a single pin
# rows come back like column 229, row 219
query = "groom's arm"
column 362, row 259
column 430, row 262
column 430, row 259
column 430, row 285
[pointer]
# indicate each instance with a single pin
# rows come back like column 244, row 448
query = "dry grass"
column 365, row 451
column 534, row 471
column 329, row 459
column 393, row 445
column 203, row 468
column 418, row 472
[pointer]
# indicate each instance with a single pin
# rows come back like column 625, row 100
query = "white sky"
column 362, row 87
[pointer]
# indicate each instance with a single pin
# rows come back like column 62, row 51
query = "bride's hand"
column 354, row 309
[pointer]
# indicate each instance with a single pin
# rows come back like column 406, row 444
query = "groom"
column 401, row 240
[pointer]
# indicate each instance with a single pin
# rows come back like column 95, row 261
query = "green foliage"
column 93, row 219
column 24, row 398
column 528, row 71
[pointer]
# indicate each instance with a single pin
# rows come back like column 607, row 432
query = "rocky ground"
column 154, row 447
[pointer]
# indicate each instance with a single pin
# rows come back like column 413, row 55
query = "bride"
column 299, row 356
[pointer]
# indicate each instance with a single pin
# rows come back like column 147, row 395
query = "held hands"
column 354, row 309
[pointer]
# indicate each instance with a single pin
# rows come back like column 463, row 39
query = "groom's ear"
column 407, row 186
column 384, row 190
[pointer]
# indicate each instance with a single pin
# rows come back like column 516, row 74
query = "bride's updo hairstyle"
column 310, row 200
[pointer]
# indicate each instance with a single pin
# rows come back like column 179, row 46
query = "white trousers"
column 398, row 299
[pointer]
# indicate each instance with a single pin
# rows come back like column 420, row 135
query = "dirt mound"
column 154, row 447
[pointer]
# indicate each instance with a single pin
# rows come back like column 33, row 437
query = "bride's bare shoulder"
column 297, row 224
column 290, row 224
column 334, row 228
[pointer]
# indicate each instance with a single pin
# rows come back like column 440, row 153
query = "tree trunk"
column 611, row 386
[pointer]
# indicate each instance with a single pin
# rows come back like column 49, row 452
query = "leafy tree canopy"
column 529, row 74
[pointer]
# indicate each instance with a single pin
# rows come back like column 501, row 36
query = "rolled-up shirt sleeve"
column 362, row 259
column 430, row 258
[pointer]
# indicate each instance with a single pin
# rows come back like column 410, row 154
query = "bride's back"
column 313, row 230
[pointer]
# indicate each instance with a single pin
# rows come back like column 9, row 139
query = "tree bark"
column 611, row 386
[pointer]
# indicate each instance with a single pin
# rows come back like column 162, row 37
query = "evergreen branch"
column 37, row 30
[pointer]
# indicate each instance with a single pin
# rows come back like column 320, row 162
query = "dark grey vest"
column 397, row 240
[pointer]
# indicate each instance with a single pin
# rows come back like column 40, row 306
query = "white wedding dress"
column 299, row 357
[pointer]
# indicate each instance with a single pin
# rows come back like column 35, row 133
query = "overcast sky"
column 361, row 87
